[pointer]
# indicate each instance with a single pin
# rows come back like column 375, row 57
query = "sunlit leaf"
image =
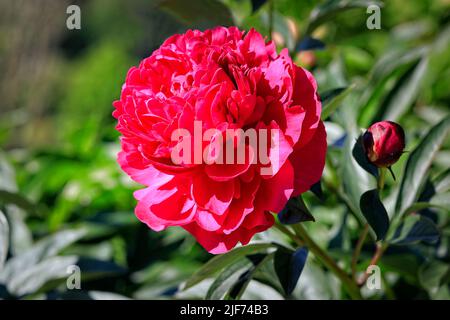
column 221, row 261
column 418, row 164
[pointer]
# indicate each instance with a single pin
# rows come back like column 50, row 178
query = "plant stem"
column 381, row 179
column 348, row 283
column 289, row 233
column 358, row 248
column 376, row 257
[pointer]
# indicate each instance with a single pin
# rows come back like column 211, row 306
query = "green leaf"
column 8, row 197
column 431, row 276
column 310, row 43
column 442, row 182
column 256, row 4
column 415, row 228
column 289, row 266
column 221, row 261
column 355, row 179
column 7, row 175
column 210, row 12
column 331, row 100
column 223, row 283
column 375, row 213
column 45, row 248
column 4, row 239
column 32, row 278
column 238, row 288
column 418, row 164
column 406, row 90
column 327, row 10
column 360, row 156
column 95, row 269
column 294, row 212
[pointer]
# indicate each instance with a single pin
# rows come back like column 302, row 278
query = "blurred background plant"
column 64, row 201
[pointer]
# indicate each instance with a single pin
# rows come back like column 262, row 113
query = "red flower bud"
column 384, row 143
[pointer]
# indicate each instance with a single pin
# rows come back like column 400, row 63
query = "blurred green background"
column 58, row 143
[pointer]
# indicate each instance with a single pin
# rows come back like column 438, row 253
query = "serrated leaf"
column 289, row 266
column 294, row 212
column 221, row 261
column 415, row 228
column 418, row 163
column 375, row 213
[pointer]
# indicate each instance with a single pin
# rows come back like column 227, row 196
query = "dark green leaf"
column 289, row 266
column 310, row 43
column 360, row 156
column 256, row 4
column 418, row 164
column 8, row 197
column 415, row 228
column 238, row 288
column 294, row 212
column 332, row 99
column 375, row 213
column 221, row 261
column 406, row 90
column 94, row 268
column 316, row 188
column 223, row 283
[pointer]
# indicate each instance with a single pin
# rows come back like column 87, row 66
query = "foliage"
column 64, row 202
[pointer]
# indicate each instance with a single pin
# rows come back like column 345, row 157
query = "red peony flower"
column 221, row 79
column 384, row 143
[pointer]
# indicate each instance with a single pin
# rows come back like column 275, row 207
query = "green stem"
column 328, row 262
column 289, row 233
column 381, row 179
column 381, row 248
